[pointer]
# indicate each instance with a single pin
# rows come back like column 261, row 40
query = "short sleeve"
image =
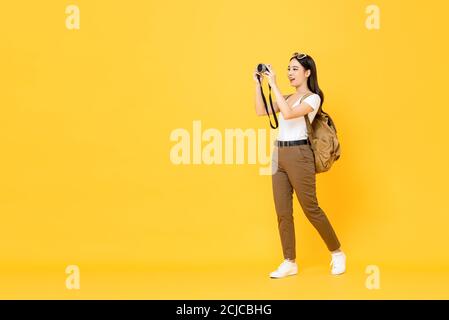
column 314, row 101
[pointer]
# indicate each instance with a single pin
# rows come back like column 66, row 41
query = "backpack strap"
column 306, row 117
column 302, row 98
column 305, row 96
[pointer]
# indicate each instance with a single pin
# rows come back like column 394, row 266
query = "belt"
column 291, row 143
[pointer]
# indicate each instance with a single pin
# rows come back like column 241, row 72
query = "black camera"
column 261, row 68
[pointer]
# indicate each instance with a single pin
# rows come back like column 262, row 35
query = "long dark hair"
column 309, row 64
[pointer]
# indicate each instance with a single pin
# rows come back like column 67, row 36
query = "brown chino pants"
column 295, row 169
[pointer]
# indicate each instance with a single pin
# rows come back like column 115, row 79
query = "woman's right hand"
column 255, row 76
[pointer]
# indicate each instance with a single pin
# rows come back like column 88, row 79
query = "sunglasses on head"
column 299, row 56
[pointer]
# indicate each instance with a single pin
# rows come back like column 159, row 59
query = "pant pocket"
column 305, row 153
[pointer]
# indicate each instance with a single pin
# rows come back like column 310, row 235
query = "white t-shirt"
column 296, row 128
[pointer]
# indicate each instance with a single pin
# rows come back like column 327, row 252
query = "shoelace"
column 283, row 265
column 333, row 262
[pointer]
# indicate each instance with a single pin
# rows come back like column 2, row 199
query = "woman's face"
column 296, row 73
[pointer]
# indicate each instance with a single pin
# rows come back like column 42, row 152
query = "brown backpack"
column 322, row 135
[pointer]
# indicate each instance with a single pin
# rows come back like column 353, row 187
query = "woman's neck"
column 302, row 89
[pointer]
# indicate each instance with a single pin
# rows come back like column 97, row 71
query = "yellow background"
column 86, row 177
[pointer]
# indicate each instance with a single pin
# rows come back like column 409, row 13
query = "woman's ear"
column 308, row 73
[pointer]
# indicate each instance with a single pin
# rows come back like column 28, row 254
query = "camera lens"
column 261, row 68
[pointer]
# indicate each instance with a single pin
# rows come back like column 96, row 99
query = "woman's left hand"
column 270, row 75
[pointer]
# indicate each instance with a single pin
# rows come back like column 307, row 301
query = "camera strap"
column 271, row 105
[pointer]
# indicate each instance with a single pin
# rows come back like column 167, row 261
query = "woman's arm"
column 260, row 108
column 286, row 110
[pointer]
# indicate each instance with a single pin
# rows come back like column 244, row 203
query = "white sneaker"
column 338, row 263
column 286, row 268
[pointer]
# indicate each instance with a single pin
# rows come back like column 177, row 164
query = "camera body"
column 262, row 68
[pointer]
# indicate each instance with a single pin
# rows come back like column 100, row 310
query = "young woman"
column 295, row 165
